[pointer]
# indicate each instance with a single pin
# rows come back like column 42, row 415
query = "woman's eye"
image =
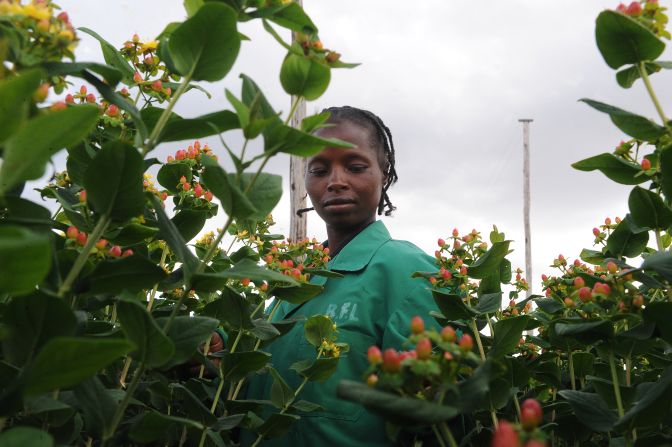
column 317, row 171
column 357, row 168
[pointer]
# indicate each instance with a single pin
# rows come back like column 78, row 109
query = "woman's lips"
column 338, row 203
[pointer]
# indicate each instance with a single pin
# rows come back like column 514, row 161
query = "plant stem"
column 165, row 116
column 98, row 231
column 121, row 409
column 213, row 247
column 649, row 88
column 571, row 369
column 479, row 343
column 438, row 436
column 516, row 403
column 162, row 264
column 617, row 388
column 659, row 241
column 292, row 110
column 448, row 434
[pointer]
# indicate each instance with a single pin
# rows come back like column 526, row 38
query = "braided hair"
column 380, row 138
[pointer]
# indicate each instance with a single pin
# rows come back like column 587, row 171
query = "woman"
column 373, row 303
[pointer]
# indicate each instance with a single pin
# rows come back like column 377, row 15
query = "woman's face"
column 345, row 185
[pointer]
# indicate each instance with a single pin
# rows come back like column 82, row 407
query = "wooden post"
column 297, row 171
column 526, row 199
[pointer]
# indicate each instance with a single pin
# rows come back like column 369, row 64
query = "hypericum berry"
column 112, row 110
column 372, row 380
column 463, row 270
column 72, row 232
column 137, row 77
column 448, row 334
column 82, row 196
column 90, row 98
column 391, row 361
column 634, row 9
column 127, row 253
column 638, row 301
column 332, row 57
column 612, row 267
column 423, row 349
column 577, row 263
column 181, row 154
column 596, row 232
column 585, row 294
column 607, row 221
column 446, row 275
column 81, row 239
column 198, row 190
column 374, row 355
column 531, row 414
column 82, row 90
column 245, row 282
column 466, row 343
column 63, row 17
column 441, row 242
column 208, row 196
column 544, row 277
column 505, row 436
column 42, row 92
column 101, row 244
column 157, row 86
column 432, row 280
column 535, row 443
column 569, row 302
column 579, row 282
column 115, row 251
column 601, row 288
column 186, row 186
column 417, row 325
column 69, row 99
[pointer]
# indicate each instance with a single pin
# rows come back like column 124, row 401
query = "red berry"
column 466, row 343
column 245, row 282
column 417, row 325
column 455, row 232
column 81, row 239
column 596, row 232
column 612, row 267
column 579, row 282
column 208, row 196
column 441, row 242
column 585, row 294
column 170, row 159
column 505, row 436
column 423, row 349
column 82, row 196
column 374, row 355
column 634, row 9
column 91, row 98
column 186, row 186
column 198, row 190
column 446, row 275
column 432, row 280
column 82, row 90
column 112, row 110
column 372, row 380
column 448, row 334
column 535, row 443
column 601, row 288
column 463, row 270
column 63, row 17
column 544, row 277
column 181, row 154
column 607, row 221
column 157, row 86
column 391, row 361
column 115, row 251
column 126, row 253
column 101, row 244
column 569, row 302
column 621, row 8
column 531, row 414
column 69, row 99
column 72, row 232
column 137, row 77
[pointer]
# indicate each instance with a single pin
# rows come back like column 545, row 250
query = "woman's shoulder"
column 403, row 255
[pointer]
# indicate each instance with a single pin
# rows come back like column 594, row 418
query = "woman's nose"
column 337, row 179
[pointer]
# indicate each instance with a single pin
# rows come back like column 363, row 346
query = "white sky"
column 450, row 79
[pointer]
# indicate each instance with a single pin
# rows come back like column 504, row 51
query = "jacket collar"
column 358, row 252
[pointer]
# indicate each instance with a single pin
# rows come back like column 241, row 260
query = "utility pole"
column 297, row 171
column 526, row 200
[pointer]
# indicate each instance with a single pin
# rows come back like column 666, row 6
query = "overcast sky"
column 450, row 79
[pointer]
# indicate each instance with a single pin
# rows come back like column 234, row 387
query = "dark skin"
column 345, row 185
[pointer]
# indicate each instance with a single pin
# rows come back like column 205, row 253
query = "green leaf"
column 66, row 361
column 318, row 370
column 187, row 334
column 234, row 202
column 15, row 98
column 178, row 129
column 277, row 425
column 623, row 40
column 624, row 241
column 292, row 16
column 489, row 303
column 237, row 365
column 311, row 123
column 26, row 436
column 245, row 268
column 78, row 160
column 304, row 76
column 97, row 404
column 452, row 306
column 25, row 257
column 507, row 335
column 191, row 6
column 489, row 262
column 251, row 93
column 281, row 393
column 399, row 410
column 627, row 77
column 28, row 150
column 134, row 233
column 648, row 209
column 32, row 321
column 110, row 73
column 592, row 256
column 652, row 405
column 583, row 363
column 153, row 426
column 298, row 294
column 174, row 239
column 169, row 176
column 231, row 308
column 660, row 314
column 112, row 56
column 192, row 405
column 113, row 182
column 206, row 45
column 190, row 222
column 264, row 194
column 242, row 111
column 132, row 273
column 549, row 305
column 634, row 125
column 154, row 348
column 317, row 329
column 615, row 168
column 265, row 330
column 666, row 172
column 585, row 331
column 281, row 138
column 590, row 410
column 306, row 407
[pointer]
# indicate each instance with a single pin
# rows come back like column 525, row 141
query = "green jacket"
column 371, row 305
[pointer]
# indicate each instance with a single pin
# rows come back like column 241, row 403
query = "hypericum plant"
column 593, row 366
column 107, row 316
